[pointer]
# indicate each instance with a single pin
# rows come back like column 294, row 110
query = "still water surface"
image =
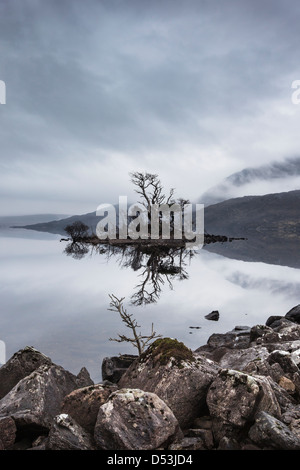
column 59, row 304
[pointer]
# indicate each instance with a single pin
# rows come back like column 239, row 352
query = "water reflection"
column 157, row 265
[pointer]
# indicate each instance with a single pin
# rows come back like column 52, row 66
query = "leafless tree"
column 139, row 341
column 149, row 187
column 77, row 231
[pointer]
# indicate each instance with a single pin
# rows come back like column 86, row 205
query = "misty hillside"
column 273, row 175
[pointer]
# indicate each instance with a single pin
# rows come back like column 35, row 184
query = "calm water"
column 59, row 304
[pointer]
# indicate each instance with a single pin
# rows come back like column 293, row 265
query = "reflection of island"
column 158, row 262
column 158, row 265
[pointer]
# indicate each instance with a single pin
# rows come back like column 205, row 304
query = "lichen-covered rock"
column 170, row 370
column 7, row 433
column 269, row 432
column 20, row 365
column 83, row 404
column 233, row 400
column 239, row 359
column 66, row 434
column 37, row 398
column 132, row 419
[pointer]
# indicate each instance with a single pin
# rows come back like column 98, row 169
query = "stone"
column 132, row 419
column 234, row 398
column 188, row 443
column 270, row 432
column 20, row 365
column 287, row 384
column 239, row 359
column 83, row 404
column 273, row 320
column 7, row 432
column 171, row 371
column 66, row 434
column 114, row 367
column 84, row 378
column 214, row 315
column 36, row 399
column 294, row 314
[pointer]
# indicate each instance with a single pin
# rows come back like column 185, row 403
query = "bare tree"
column 149, row 187
column 77, row 231
column 139, row 341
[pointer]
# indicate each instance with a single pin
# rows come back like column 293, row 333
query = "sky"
column 192, row 90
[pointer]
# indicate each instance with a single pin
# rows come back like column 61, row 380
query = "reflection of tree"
column 76, row 250
column 157, row 265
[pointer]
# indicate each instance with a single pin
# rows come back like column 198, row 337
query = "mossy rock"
column 165, row 349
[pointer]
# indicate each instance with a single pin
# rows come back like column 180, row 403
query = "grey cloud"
column 87, row 80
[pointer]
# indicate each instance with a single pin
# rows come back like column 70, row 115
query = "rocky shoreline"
column 240, row 391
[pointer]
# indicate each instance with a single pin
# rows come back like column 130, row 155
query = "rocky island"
column 239, row 391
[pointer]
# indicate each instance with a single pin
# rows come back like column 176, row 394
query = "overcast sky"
column 191, row 90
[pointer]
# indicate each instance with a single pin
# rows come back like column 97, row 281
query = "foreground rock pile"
column 239, row 391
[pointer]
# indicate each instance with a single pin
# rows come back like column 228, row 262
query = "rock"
column 227, row 443
column 269, row 432
column 292, row 419
column 294, row 314
column 7, row 433
column 273, row 320
column 181, row 379
column 20, row 365
column 135, row 420
column 239, row 359
column 66, row 434
column 214, row 315
column 84, row 378
column 188, row 443
column 36, row 399
column 234, row 398
column 219, row 344
column 205, row 435
column 83, row 404
column 258, row 331
column 114, row 367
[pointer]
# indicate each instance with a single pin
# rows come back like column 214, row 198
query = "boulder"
column 132, row 419
column 20, row 365
column 292, row 419
column 234, row 398
column 239, row 359
column 170, row 370
column 66, row 434
column 7, row 433
column 269, row 432
column 214, row 315
column 294, row 314
column 281, row 367
column 36, row 399
column 114, row 367
column 83, row 404
column 84, row 378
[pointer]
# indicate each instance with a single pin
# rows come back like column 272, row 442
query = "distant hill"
column 58, row 226
column 271, row 224
column 7, row 221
